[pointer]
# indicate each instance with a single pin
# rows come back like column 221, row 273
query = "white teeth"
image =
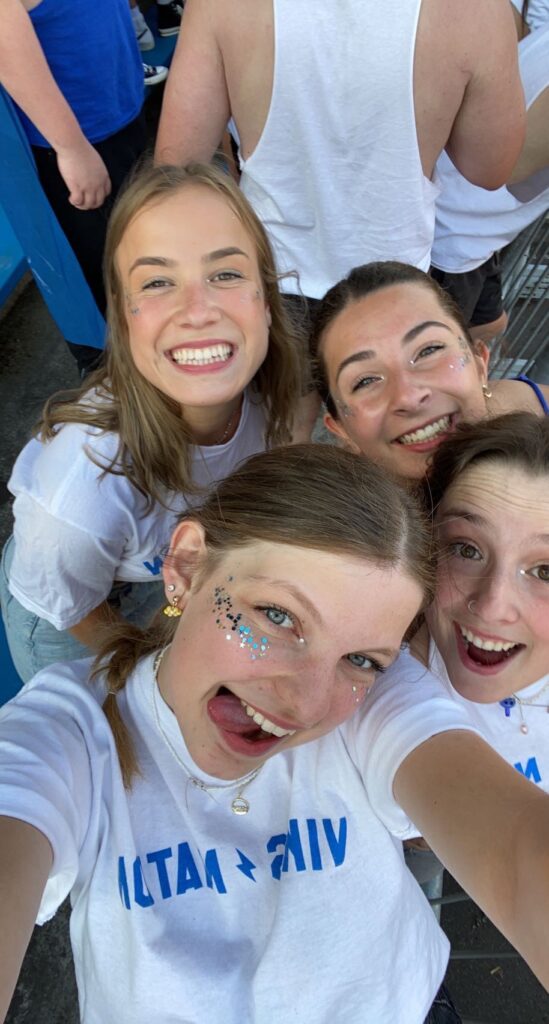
column 264, row 723
column 426, row 433
column 201, row 356
column 485, row 645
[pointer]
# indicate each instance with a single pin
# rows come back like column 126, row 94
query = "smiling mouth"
column 234, row 715
column 264, row 723
column 487, row 652
column 427, row 433
column 204, row 356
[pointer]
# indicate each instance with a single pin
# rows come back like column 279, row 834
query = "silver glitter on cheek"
column 466, row 357
column 134, row 310
column 344, row 409
column 234, row 627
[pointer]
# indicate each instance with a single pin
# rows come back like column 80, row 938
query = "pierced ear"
column 187, row 550
column 482, row 356
column 335, row 427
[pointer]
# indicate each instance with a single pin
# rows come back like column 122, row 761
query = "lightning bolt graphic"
column 246, row 865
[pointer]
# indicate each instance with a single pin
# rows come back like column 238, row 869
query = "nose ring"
column 471, row 607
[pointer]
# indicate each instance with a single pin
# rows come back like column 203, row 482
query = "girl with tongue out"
column 489, row 622
column 223, row 799
column 398, row 370
column 202, row 370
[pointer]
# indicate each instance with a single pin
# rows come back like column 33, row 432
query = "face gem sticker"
column 235, row 628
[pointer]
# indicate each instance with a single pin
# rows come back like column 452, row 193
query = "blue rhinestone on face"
column 230, row 624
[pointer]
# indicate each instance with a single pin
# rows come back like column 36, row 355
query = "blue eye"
column 362, row 661
column 278, row 616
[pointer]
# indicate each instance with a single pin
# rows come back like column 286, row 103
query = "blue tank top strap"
column 536, row 388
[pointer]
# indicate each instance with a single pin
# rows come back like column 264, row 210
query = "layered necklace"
column 532, row 702
column 239, row 804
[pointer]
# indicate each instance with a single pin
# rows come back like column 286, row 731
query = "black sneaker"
column 153, row 74
column 169, row 17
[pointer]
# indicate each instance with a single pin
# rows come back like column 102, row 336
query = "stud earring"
column 171, row 610
column 486, row 391
column 171, row 587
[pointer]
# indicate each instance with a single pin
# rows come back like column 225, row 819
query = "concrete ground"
column 35, row 362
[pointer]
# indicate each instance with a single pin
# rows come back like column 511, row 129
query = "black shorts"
column 476, row 292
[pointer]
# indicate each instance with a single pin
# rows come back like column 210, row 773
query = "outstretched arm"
column 490, row 827
column 195, row 109
column 25, row 74
column 25, row 862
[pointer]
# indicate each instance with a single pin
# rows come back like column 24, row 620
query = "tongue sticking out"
column 483, row 657
column 228, row 713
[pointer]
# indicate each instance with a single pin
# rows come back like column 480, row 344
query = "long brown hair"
column 154, row 440
column 359, row 283
column 312, row 496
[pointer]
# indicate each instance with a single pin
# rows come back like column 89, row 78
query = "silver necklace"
column 532, row 702
column 230, row 424
column 239, row 804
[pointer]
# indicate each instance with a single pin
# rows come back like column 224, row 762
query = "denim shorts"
column 34, row 643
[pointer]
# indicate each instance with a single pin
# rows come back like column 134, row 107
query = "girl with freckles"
column 224, row 794
column 202, row 370
column 398, row 370
column 489, row 622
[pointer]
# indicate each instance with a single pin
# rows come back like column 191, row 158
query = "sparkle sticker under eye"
column 134, row 310
column 466, row 357
column 234, row 628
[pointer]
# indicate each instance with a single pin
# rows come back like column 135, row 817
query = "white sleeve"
column 404, row 709
column 72, row 525
column 61, row 571
column 45, row 773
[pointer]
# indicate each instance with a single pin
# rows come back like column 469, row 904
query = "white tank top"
column 472, row 223
column 336, row 176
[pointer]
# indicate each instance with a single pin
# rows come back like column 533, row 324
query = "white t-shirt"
column 302, row 910
column 77, row 532
column 528, row 752
column 473, row 223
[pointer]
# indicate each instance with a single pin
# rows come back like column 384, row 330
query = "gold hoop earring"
column 171, row 610
column 486, row 391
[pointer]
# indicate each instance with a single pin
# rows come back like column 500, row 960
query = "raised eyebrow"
column 151, row 261
column 220, row 254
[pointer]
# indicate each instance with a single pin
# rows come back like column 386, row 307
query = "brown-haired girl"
column 398, row 370
column 225, row 802
column 201, row 371
column 489, row 622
